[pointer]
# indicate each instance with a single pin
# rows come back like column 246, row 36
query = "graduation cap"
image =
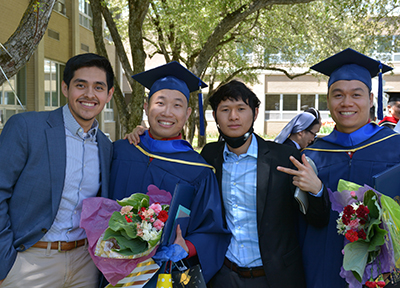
column 352, row 65
column 393, row 96
column 173, row 76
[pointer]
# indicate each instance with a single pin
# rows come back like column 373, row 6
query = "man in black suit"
column 259, row 204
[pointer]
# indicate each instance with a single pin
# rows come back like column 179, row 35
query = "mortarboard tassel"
column 380, row 89
column 201, row 114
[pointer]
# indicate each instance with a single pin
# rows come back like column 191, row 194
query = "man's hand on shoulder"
column 305, row 177
column 134, row 136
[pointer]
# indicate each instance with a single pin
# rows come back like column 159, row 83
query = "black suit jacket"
column 277, row 211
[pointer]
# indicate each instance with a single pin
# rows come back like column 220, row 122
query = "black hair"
column 317, row 116
column 234, row 90
column 88, row 60
column 372, row 113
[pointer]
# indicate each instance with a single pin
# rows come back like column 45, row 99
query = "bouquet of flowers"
column 368, row 220
column 122, row 234
column 135, row 230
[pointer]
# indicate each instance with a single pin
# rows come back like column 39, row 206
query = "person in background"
column 393, row 108
column 372, row 114
column 258, row 200
column 300, row 131
column 52, row 161
column 164, row 159
column 356, row 150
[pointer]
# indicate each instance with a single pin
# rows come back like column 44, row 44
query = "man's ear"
column 371, row 99
column 255, row 114
column 64, row 88
column 188, row 112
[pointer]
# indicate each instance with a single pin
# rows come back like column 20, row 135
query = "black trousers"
column 225, row 278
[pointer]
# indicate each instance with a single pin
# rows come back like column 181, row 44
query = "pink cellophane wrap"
column 96, row 212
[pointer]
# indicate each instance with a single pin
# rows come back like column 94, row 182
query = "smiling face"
column 349, row 103
column 234, row 117
column 394, row 109
column 167, row 113
column 87, row 94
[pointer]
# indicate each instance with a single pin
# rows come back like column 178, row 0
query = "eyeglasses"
column 313, row 133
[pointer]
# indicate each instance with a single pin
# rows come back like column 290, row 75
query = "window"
column 289, row 102
column 9, row 104
column 322, row 102
column 307, row 101
column 109, row 112
column 53, row 72
column 387, row 48
column 272, row 102
column 59, row 6
column 85, row 14
column 292, row 104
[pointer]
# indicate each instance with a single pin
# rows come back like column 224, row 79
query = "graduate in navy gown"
column 162, row 158
column 355, row 151
column 393, row 107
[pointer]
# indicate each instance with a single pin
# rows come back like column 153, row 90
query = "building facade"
column 38, row 84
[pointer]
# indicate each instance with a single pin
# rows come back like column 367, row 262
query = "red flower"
column 346, row 219
column 348, row 210
column 129, row 220
column 362, row 211
column 370, row 284
column 163, row 216
column 381, row 283
column 361, row 234
column 352, row 235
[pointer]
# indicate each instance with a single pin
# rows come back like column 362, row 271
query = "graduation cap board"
column 173, row 76
column 393, row 96
column 352, row 65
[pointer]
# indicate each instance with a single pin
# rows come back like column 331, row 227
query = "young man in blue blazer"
column 51, row 161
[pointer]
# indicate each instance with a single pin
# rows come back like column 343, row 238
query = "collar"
column 252, row 151
column 389, row 119
column 162, row 146
column 73, row 126
column 355, row 138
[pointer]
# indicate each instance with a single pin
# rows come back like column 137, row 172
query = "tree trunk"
column 22, row 44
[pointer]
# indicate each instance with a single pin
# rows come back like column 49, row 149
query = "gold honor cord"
column 351, row 150
column 173, row 160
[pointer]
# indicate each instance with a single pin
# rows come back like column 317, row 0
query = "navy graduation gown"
column 375, row 150
column 132, row 171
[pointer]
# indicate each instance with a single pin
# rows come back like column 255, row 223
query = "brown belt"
column 61, row 245
column 245, row 272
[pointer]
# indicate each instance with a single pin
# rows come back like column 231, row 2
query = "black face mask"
column 236, row 142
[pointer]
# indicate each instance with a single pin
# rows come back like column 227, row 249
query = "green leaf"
column 347, row 185
column 131, row 246
column 378, row 239
column 136, row 200
column 118, row 223
column 355, row 258
column 370, row 200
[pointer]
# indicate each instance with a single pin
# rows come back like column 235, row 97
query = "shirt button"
column 22, row 247
column 237, row 162
column 75, row 212
column 235, row 205
column 234, row 183
column 242, row 246
column 238, row 227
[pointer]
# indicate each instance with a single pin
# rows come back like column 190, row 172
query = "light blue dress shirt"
column 82, row 180
column 239, row 190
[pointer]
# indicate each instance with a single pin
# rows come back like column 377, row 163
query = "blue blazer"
column 32, row 173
